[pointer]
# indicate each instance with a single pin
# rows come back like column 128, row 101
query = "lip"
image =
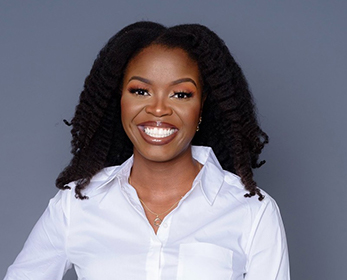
column 157, row 124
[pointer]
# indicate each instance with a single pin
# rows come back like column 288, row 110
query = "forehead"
column 163, row 64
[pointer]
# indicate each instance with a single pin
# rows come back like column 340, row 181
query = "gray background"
column 293, row 54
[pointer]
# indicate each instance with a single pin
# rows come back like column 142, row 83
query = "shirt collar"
column 210, row 178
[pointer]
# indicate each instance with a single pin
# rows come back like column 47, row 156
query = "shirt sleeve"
column 267, row 247
column 43, row 255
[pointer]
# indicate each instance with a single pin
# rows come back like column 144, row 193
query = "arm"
column 43, row 255
column 267, row 247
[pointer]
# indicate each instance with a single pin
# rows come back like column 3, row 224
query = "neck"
column 163, row 181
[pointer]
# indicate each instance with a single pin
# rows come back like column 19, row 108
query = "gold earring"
column 198, row 126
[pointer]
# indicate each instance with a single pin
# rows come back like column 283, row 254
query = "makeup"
column 157, row 132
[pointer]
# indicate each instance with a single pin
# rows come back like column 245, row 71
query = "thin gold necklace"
column 157, row 221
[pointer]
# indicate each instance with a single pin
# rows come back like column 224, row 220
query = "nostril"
column 159, row 109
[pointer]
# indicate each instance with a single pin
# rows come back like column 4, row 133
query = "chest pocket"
column 204, row 261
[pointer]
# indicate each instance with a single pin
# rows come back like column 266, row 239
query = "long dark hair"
column 229, row 122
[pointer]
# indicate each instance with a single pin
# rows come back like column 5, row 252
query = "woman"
column 169, row 211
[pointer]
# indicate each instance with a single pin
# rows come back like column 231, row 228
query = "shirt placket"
column 156, row 255
column 155, row 258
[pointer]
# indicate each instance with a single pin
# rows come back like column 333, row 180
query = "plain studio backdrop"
column 293, row 54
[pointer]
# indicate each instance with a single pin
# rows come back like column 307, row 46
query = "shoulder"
column 97, row 181
column 234, row 186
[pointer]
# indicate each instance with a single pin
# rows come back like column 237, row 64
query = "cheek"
column 127, row 113
column 190, row 116
column 129, row 109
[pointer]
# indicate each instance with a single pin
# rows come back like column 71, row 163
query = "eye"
column 139, row 91
column 182, row 95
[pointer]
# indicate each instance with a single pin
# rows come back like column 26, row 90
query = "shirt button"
column 164, row 225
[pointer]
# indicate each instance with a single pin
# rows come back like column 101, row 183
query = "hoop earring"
column 198, row 126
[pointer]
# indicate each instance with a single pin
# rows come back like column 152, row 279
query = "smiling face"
column 161, row 103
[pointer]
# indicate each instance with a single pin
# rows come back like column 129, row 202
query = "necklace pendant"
column 157, row 221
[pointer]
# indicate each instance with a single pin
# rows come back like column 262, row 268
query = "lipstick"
column 157, row 132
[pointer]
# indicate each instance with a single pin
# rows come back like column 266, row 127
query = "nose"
column 159, row 107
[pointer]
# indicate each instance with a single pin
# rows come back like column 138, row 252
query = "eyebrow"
column 146, row 81
column 184, row 80
column 179, row 81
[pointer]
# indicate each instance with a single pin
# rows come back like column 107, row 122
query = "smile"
column 157, row 132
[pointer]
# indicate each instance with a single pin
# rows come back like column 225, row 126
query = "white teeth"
column 159, row 132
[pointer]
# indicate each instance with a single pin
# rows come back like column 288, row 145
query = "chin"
column 161, row 153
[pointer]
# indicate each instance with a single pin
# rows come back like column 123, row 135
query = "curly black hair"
column 229, row 124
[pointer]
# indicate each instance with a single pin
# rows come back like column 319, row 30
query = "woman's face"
column 161, row 102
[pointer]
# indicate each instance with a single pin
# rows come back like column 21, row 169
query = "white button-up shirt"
column 214, row 233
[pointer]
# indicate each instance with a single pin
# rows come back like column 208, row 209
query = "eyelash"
column 177, row 94
column 139, row 91
column 186, row 95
